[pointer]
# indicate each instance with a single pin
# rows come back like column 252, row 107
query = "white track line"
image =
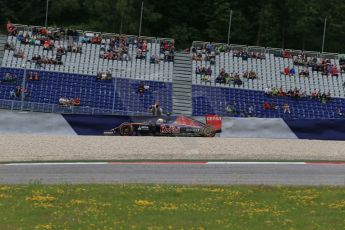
column 173, row 163
column 53, row 164
column 256, row 163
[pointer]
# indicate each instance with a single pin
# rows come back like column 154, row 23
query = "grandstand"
column 210, row 97
column 76, row 76
column 235, row 76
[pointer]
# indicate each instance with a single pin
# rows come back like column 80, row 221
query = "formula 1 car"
column 178, row 126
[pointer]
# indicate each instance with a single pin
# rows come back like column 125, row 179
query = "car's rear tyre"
column 208, row 131
column 126, row 129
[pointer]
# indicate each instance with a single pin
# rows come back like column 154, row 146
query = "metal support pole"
column 141, row 17
column 47, row 9
column 324, row 35
column 23, row 88
column 121, row 25
column 230, row 22
column 114, row 99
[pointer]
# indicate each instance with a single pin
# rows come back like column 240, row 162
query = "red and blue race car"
column 168, row 126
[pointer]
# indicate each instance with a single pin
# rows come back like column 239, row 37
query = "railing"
column 21, row 27
column 270, row 50
column 53, row 108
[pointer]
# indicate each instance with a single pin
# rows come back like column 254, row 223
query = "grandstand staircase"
column 3, row 40
column 182, row 84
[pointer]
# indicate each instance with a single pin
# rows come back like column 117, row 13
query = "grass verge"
column 170, row 207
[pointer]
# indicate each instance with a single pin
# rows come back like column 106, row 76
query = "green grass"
column 170, row 207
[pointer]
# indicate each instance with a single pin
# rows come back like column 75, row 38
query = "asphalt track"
column 195, row 173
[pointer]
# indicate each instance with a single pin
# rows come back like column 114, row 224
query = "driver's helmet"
column 160, row 121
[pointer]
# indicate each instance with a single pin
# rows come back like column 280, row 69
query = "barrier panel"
column 230, row 127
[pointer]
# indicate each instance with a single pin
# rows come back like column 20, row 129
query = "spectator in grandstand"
column 286, row 54
column 304, row 73
column 96, row 39
column 251, row 75
column 222, row 78
column 9, row 46
column 104, row 76
column 154, row 59
column 11, row 29
column 140, row 55
column 64, row 101
column 286, row 71
column 222, row 72
column 9, row 78
column 335, row 71
column 205, row 78
column 323, row 98
column 268, row 91
column 60, row 49
column 19, row 54
column 155, row 109
column 339, row 112
column 267, row 106
column 209, row 71
column 251, row 110
column 48, row 45
column 275, row 91
column 301, row 60
column 197, row 70
column 197, row 57
column 281, row 92
column 230, row 109
column 13, row 94
column 286, row 108
column 18, row 91
column 43, row 31
column 314, row 94
column 143, row 88
column 292, row 72
column 33, row 76
column 77, row 49
column 237, row 80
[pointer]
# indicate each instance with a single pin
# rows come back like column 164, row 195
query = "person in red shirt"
column 335, row 72
column 77, row 102
column 314, row 94
column 46, row 45
column 286, row 71
column 144, row 47
column 36, row 77
column 43, row 31
column 166, row 46
column 11, row 30
column 267, row 106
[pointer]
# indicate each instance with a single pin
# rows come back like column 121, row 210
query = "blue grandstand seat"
column 93, row 93
column 214, row 100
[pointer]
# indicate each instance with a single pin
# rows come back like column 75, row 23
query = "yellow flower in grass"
column 338, row 205
column 77, row 202
column 44, row 226
column 44, row 205
column 5, row 196
column 268, row 222
column 5, row 188
column 168, row 207
column 215, row 190
column 39, row 198
column 143, row 203
column 42, row 201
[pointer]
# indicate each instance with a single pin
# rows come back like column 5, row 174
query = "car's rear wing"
column 215, row 121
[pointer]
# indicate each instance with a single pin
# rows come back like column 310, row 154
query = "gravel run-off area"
column 81, row 148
